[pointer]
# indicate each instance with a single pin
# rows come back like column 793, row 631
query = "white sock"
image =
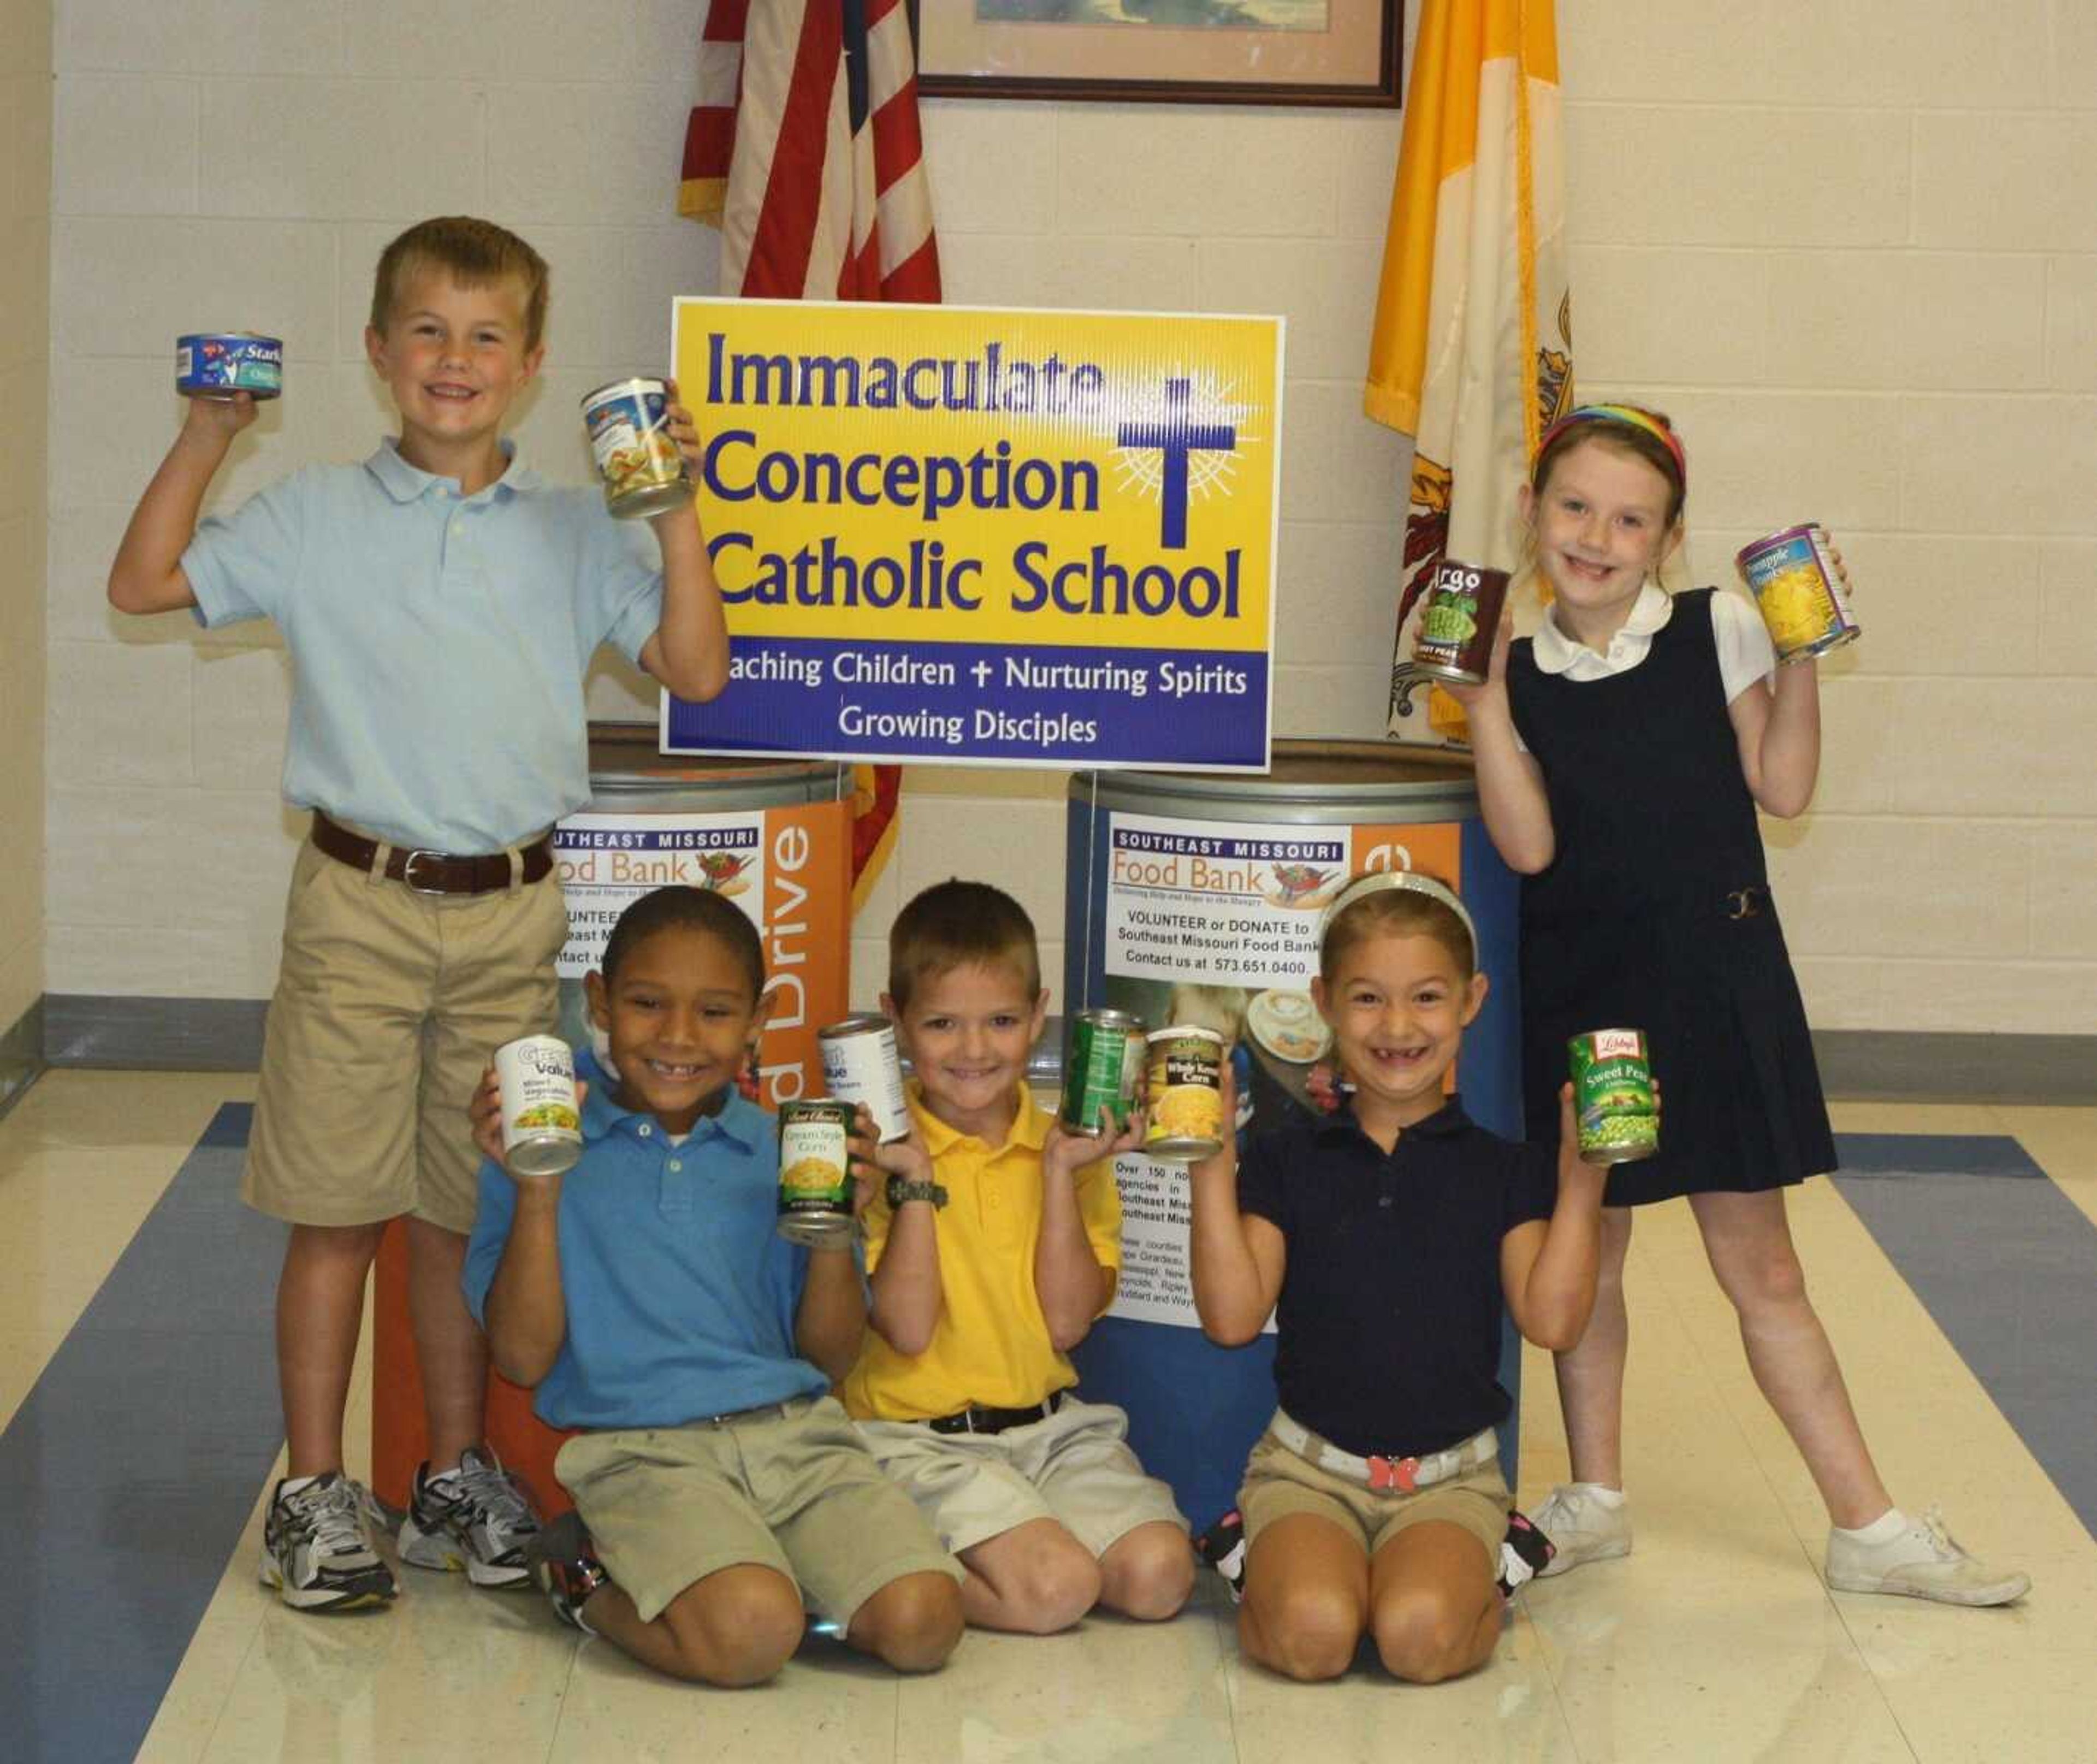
column 1601, row 1495
column 440, row 1476
column 293, row 1484
column 1890, row 1524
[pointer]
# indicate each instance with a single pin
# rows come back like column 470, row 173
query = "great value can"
column 814, row 1172
column 1799, row 593
column 1101, row 1070
column 1186, row 1095
column 1614, row 1106
column 542, row 1129
column 217, row 363
column 1459, row 621
column 628, row 424
column 860, row 1066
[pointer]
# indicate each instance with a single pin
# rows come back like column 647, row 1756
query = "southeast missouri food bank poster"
column 990, row 536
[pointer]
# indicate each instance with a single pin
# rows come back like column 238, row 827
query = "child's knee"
column 1309, row 1633
column 735, row 1628
column 1424, row 1636
column 1149, row 1573
column 912, row 1623
column 1053, row 1585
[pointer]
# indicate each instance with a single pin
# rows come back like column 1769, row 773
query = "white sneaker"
column 1923, row 1562
column 1580, row 1528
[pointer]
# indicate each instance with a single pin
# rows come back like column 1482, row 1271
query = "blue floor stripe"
column 127, row 1472
column 2007, row 1266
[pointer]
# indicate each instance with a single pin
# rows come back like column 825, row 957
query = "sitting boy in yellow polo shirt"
column 993, row 1246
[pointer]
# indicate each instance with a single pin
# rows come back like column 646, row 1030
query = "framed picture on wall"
column 1166, row 51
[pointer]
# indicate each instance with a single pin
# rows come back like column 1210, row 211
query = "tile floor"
column 1714, row 1641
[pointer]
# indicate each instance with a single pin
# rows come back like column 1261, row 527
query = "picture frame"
column 1296, row 52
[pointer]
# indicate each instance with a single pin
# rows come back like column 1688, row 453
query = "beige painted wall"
column 25, row 260
column 1854, row 256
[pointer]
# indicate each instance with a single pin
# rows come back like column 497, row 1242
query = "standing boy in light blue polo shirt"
column 441, row 603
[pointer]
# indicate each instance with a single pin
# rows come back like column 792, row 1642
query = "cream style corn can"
column 542, row 1128
column 1186, row 1095
column 815, row 1171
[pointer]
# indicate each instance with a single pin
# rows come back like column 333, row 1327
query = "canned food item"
column 628, row 424
column 1102, row 1069
column 217, row 363
column 1799, row 593
column 542, row 1129
column 1459, row 621
column 860, row 1065
column 815, row 1172
column 1614, row 1104
column 1186, row 1095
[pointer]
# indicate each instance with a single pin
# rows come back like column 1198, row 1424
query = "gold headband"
column 1411, row 880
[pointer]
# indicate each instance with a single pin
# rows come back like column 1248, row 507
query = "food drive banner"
column 987, row 536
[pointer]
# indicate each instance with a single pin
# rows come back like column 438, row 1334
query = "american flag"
column 803, row 149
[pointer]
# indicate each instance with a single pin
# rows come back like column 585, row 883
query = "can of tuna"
column 1799, row 593
column 217, row 363
column 859, row 1065
column 1459, row 621
column 1613, row 1099
column 815, row 1173
column 542, row 1129
column 1186, row 1095
column 629, row 434
column 1101, row 1070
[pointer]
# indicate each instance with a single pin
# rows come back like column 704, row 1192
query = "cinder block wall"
column 1849, row 248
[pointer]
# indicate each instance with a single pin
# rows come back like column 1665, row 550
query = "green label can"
column 1613, row 1101
column 1102, row 1069
column 1186, row 1095
column 815, row 1171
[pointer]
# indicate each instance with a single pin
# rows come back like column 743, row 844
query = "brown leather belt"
column 432, row 873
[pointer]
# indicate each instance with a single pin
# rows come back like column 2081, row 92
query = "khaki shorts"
column 1074, row 1467
column 788, row 1488
column 1279, row 1482
column 388, row 1004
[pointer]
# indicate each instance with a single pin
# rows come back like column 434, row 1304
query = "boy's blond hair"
column 475, row 253
column 955, row 925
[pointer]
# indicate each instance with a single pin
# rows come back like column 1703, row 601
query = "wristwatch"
column 899, row 1191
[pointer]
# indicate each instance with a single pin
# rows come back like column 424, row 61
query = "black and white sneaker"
column 477, row 1518
column 316, row 1550
column 1223, row 1548
column 1525, row 1553
column 564, row 1564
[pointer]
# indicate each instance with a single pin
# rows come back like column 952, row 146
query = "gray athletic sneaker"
column 316, row 1549
column 1580, row 1528
column 1923, row 1562
column 477, row 1518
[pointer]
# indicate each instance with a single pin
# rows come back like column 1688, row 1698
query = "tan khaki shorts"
column 790, row 1488
column 1278, row 1483
column 388, row 1004
column 1074, row 1467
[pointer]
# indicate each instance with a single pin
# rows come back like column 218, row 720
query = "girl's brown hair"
column 1395, row 912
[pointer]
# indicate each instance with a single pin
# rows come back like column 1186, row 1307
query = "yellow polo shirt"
column 990, row 1344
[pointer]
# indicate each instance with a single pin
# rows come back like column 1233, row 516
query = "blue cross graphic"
column 1178, row 437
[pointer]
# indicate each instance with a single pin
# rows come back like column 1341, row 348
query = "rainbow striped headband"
column 1631, row 417
column 1413, row 881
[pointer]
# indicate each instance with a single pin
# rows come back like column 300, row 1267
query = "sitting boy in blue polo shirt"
column 441, row 603
column 720, row 1489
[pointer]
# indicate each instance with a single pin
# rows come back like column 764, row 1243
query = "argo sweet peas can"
column 1799, row 593
column 217, row 363
column 1613, row 1104
column 1459, row 621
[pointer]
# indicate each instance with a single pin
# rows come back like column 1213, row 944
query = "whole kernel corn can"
column 1101, row 1070
column 814, row 1172
column 542, row 1128
column 1613, row 1104
column 1186, row 1095
column 1799, row 593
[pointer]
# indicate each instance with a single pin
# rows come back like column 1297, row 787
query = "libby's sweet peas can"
column 1613, row 1104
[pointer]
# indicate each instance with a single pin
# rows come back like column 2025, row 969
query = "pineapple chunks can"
column 1613, row 1104
column 1799, row 593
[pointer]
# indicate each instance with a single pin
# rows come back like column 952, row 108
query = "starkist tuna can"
column 815, row 1171
column 629, row 433
column 1799, row 593
column 1459, row 621
column 217, row 363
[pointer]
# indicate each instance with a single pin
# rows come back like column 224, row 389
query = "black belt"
column 433, row 872
column 980, row 1418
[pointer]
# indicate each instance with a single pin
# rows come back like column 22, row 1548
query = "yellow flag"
column 1472, row 351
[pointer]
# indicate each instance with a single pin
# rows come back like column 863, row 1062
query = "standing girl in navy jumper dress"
column 1622, row 754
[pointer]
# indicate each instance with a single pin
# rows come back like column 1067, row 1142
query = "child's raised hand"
column 1495, row 670
column 1066, row 1151
column 907, row 1158
column 683, row 430
column 218, row 420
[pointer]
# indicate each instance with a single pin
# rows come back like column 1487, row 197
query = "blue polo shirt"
column 438, row 641
column 680, row 1292
column 1387, row 1330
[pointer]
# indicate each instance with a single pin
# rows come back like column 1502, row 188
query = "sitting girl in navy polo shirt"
column 1389, row 1233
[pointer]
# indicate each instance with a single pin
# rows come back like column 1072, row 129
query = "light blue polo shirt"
column 680, row 1292
column 438, row 641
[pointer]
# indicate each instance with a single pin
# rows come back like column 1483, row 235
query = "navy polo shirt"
column 680, row 1292
column 1389, row 1322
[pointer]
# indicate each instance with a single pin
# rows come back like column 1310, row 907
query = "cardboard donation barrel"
column 775, row 836
column 1196, row 898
